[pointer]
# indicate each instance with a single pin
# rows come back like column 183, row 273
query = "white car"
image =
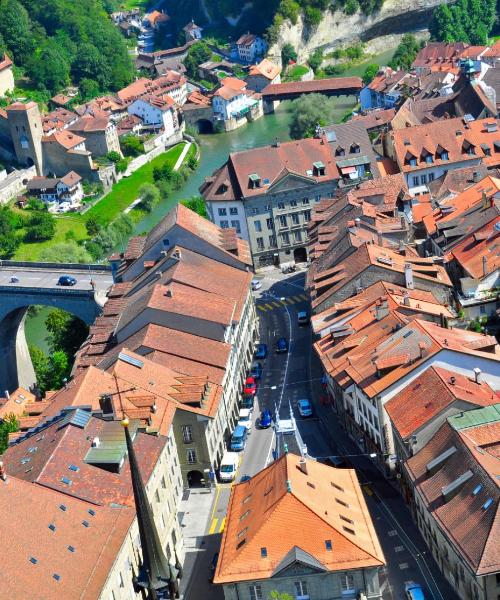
column 245, row 418
column 256, row 284
column 305, row 408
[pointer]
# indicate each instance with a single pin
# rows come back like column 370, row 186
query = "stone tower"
column 25, row 125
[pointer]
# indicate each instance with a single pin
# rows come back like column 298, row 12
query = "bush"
column 316, row 59
column 405, row 52
column 149, row 195
column 132, row 145
column 370, row 72
column 351, row 7
column 69, row 252
column 196, row 204
column 288, row 54
column 308, row 112
column 41, row 226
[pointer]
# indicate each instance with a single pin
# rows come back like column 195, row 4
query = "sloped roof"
column 263, row 514
column 479, row 253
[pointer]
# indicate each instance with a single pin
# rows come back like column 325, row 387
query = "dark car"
column 282, row 345
column 66, row 280
column 260, row 351
column 256, row 370
column 247, row 401
column 266, row 419
column 250, row 388
column 213, row 566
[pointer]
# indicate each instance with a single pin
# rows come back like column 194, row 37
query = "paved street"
column 46, row 278
column 286, row 379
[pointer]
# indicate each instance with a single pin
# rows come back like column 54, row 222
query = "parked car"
column 260, row 351
column 256, row 284
column 245, row 478
column 250, row 388
column 256, row 370
column 248, row 401
column 213, row 566
column 245, row 418
column 414, row 591
column 229, row 466
column 282, row 345
column 305, row 408
column 66, row 280
column 334, row 461
column 239, row 438
column 266, row 419
column 303, row 317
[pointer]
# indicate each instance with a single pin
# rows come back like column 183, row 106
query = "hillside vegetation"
column 57, row 42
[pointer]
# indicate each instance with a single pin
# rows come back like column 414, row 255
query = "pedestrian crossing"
column 216, row 526
column 265, row 305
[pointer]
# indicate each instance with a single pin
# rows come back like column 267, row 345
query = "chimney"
column 409, row 276
column 158, row 274
column 357, row 222
column 421, row 349
column 7, row 395
column 288, row 486
column 476, row 176
column 452, row 380
column 277, row 142
column 177, row 254
column 303, row 466
column 96, row 442
column 485, row 266
column 3, row 474
column 486, row 202
column 169, row 293
column 380, row 238
column 443, row 320
column 477, row 374
column 406, row 298
column 381, row 308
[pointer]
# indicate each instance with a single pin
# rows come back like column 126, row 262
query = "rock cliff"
column 338, row 29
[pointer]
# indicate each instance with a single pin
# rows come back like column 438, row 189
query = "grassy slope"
column 107, row 209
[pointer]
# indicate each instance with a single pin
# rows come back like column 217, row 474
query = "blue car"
column 66, row 280
column 256, row 370
column 282, row 345
column 414, row 591
column 266, row 419
column 260, row 351
column 238, row 439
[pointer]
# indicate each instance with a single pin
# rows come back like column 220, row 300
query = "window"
column 307, row 216
column 157, row 495
column 267, row 207
column 260, row 243
column 497, row 575
column 297, row 236
column 281, row 205
column 233, row 210
column 414, row 181
column 270, row 224
column 191, row 456
column 423, row 179
column 328, row 544
column 444, row 156
column 413, row 162
column 347, row 582
column 482, row 309
column 224, row 224
column 317, row 198
column 431, row 177
column 295, row 219
column 257, row 225
column 283, row 221
column 272, row 241
column 293, row 202
column 255, row 211
column 429, row 159
column 301, row 589
column 263, row 552
column 305, row 200
column 255, row 592
column 222, row 212
column 236, row 225
column 163, row 483
column 285, row 238
column 187, row 434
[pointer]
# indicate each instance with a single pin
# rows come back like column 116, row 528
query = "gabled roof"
column 479, row 253
column 265, row 68
column 276, row 511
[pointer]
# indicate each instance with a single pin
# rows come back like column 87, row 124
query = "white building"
column 156, row 113
column 6, row 76
column 61, row 194
column 232, row 102
column 250, row 47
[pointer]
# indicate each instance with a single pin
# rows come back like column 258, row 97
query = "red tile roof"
column 5, row 63
column 479, row 253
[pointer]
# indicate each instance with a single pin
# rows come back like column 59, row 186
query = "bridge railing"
column 51, row 265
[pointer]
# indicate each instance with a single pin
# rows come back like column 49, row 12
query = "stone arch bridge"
column 24, row 284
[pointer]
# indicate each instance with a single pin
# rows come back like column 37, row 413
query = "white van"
column 229, row 466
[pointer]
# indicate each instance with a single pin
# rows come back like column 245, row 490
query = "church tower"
column 25, row 125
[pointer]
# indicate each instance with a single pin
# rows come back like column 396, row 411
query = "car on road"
column 303, row 317
column 238, row 439
column 282, row 345
column 256, row 284
column 229, row 466
column 14, row 279
column 213, row 566
column 256, row 370
column 266, row 419
column 248, row 401
column 305, row 408
column 414, row 591
column 245, row 478
column 260, row 351
column 66, row 280
column 245, row 418
column 250, row 388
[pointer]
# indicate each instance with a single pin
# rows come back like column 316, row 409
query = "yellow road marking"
column 368, row 489
column 269, row 306
column 223, row 522
column 283, row 302
column 297, row 298
column 290, row 301
column 260, row 307
column 216, row 500
column 213, row 527
column 277, row 304
column 303, row 296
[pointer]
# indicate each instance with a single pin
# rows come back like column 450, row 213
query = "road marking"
column 277, row 304
column 269, row 306
column 216, row 500
column 213, row 526
column 392, row 533
column 399, row 548
column 260, row 307
column 368, row 489
column 303, row 296
column 223, row 522
column 403, row 566
column 290, row 300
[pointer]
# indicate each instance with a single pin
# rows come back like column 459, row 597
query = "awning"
column 347, row 170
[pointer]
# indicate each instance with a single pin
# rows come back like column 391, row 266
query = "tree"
column 197, row 205
column 92, row 226
column 9, row 424
column 65, row 331
column 113, row 156
column 197, row 54
column 164, row 171
column 308, row 112
column 469, row 21
column 68, row 252
column 121, row 166
column 9, row 242
column 316, row 59
column 370, row 72
column 41, row 226
column 149, row 195
column 288, row 54
column 406, row 52
column 132, row 145
column 88, row 88
column 40, row 364
column 59, row 370
column 15, row 28
column 49, row 68
column 351, row 7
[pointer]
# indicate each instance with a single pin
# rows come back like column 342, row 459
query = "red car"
column 250, row 388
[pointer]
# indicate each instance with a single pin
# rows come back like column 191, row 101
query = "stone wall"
column 338, row 29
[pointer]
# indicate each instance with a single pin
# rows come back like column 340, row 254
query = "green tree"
column 88, row 65
column 113, row 156
column 290, row 9
column 68, row 252
column 405, row 52
column 49, row 68
column 131, row 145
column 316, row 59
column 93, row 226
column 40, row 364
column 149, row 195
column 308, row 112
column 197, row 205
column 121, row 165
column 288, row 54
column 370, row 72
column 9, row 424
column 65, row 331
column 9, row 241
column 41, row 226
column 59, row 370
column 88, row 89
column 351, row 7
column 312, row 16
column 197, row 54
column 15, row 28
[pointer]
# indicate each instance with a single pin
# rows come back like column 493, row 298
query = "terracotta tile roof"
column 376, row 118
column 266, row 68
column 385, row 80
column 144, row 86
column 246, row 39
column 263, row 514
column 5, row 63
column 439, row 55
column 470, row 518
column 17, row 403
column 230, row 88
column 65, row 139
column 156, row 16
column 430, row 394
column 479, row 253
column 315, row 85
column 61, row 99
column 81, row 574
column 71, row 178
column 451, row 136
column 87, row 123
column 493, row 51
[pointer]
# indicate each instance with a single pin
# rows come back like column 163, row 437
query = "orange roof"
column 479, row 253
column 431, row 393
column 231, row 86
column 66, row 139
column 493, row 51
column 157, row 17
column 266, row 68
column 269, row 524
column 16, row 403
column 5, row 63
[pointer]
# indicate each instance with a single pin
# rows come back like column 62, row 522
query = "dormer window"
column 468, row 148
column 254, row 181
column 318, row 169
column 486, row 149
column 222, row 189
column 340, row 151
column 355, row 149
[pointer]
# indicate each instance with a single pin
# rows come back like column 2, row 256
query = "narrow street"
column 286, row 379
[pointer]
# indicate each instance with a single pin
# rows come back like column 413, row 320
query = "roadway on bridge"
column 45, row 278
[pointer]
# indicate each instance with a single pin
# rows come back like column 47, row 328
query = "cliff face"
column 338, row 29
